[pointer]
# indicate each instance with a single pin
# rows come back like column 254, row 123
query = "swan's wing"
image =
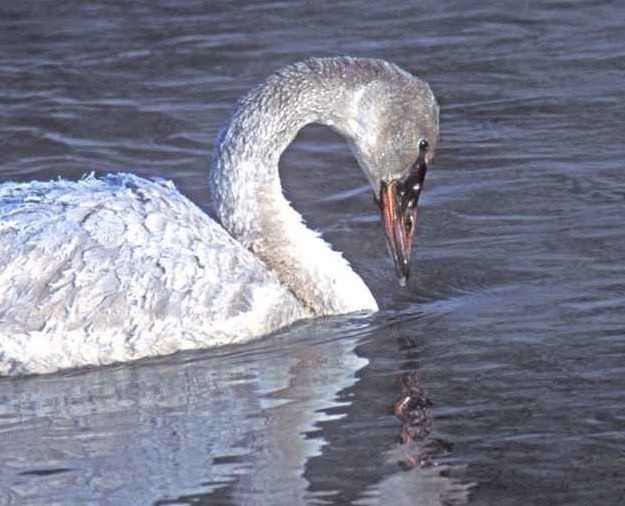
column 114, row 269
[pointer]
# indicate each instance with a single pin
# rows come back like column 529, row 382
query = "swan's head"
column 398, row 199
column 393, row 134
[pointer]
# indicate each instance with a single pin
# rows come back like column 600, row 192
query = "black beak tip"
column 403, row 272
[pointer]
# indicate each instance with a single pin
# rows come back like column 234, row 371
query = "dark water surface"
column 513, row 319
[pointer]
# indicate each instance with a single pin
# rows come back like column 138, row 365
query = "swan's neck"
column 247, row 194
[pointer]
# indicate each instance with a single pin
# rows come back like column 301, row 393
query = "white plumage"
column 114, row 269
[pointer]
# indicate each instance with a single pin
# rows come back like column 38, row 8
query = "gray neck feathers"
column 244, row 179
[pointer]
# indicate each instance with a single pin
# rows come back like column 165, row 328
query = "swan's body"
column 114, row 269
column 107, row 270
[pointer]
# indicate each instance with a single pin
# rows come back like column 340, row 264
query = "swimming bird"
column 117, row 268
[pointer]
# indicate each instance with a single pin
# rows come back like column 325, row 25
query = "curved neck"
column 246, row 190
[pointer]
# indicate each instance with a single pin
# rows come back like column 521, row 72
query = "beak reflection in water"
column 398, row 207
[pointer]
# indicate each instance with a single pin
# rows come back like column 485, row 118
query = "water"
column 513, row 318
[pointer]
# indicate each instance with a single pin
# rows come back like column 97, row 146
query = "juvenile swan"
column 118, row 268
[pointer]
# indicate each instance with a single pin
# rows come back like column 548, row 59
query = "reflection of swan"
column 273, row 423
column 113, row 269
column 240, row 424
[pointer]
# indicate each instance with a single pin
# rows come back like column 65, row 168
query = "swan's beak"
column 399, row 218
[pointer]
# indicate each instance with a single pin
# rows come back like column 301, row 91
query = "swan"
column 116, row 268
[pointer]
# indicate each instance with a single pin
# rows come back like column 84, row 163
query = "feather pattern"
column 106, row 270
